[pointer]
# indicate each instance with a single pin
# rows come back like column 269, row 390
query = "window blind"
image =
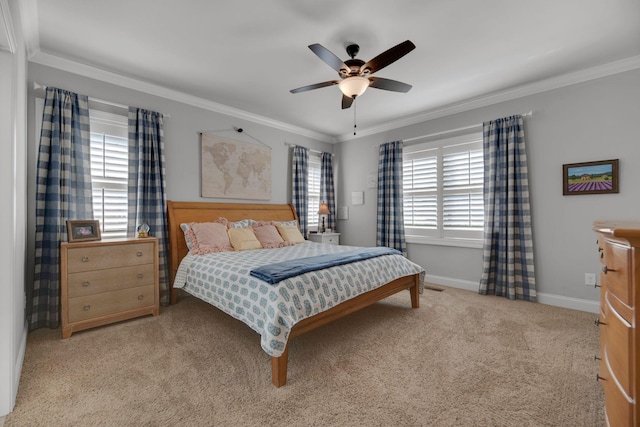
column 442, row 188
column 109, row 172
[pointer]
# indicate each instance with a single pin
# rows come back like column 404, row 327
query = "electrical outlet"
column 589, row 279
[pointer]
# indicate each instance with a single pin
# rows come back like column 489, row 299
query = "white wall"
column 12, row 214
column 595, row 120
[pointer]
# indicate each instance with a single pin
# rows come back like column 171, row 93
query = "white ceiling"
column 248, row 54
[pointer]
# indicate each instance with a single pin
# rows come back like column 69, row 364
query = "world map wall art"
column 590, row 177
column 235, row 169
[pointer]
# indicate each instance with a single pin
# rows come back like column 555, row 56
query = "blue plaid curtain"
column 327, row 192
column 390, row 230
column 299, row 185
column 63, row 192
column 508, row 244
column 147, row 185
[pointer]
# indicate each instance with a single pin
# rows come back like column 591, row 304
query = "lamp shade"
column 324, row 209
column 354, row 86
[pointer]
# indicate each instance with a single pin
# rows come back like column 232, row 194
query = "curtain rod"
column 460, row 129
column 310, row 149
column 37, row 86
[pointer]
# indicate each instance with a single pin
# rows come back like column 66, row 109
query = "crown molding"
column 7, row 35
column 552, row 83
column 89, row 71
column 29, row 16
column 557, row 82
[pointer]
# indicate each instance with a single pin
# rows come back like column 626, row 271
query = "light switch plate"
column 372, row 180
column 343, row 212
column 357, row 198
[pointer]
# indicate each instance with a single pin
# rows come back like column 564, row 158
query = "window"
column 313, row 191
column 442, row 190
column 109, row 172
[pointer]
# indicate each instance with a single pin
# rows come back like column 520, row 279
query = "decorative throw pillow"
column 243, row 223
column 293, row 222
column 290, row 233
column 185, row 228
column 243, row 239
column 268, row 235
column 208, row 237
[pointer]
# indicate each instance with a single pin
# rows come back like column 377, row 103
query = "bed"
column 200, row 212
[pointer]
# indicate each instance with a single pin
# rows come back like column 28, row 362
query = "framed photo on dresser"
column 83, row 230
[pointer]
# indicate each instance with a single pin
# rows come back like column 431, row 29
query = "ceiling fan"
column 354, row 73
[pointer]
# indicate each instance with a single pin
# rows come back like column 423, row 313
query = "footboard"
column 412, row 283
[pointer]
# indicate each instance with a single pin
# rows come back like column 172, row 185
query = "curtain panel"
column 327, row 191
column 63, row 192
column 300, row 185
column 508, row 267
column 147, row 185
column 390, row 218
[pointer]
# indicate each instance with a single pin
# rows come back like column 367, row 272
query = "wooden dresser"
column 619, row 373
column 107, row 281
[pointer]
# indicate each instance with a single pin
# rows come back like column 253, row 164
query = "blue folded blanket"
column 277, row 272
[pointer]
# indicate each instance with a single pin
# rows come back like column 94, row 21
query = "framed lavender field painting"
column 590, row 177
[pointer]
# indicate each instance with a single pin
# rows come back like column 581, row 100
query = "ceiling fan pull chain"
column 354, row 115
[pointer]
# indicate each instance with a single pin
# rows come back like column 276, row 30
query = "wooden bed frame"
column 186, row 212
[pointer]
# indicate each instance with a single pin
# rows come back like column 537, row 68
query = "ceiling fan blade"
column 329, row 58
column 387, row 57
column 346, row 102
column 388, row 84
column 314, row 86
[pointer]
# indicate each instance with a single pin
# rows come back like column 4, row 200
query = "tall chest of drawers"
column 107, row 281
column 619, row 372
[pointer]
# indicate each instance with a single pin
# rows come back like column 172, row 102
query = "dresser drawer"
column 103, row 256
column 618, row 336
column 616, row 272
column 92, row 306
column 326, row 238
column 618, row 408
column 113, row 279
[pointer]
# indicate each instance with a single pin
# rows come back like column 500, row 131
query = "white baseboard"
column 543, row 298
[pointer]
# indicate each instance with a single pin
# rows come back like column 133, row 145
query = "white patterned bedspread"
column 223, row 280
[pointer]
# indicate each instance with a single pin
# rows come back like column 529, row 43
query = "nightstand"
column 328, row 238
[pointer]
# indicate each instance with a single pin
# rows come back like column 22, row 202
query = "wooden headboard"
column 186, row 212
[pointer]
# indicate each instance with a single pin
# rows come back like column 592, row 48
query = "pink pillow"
column 208, row 237
column 268, row 235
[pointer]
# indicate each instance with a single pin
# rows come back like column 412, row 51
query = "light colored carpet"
column 460, row 360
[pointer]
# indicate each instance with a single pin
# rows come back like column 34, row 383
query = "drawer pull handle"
column 606, row 269
column 600, row 249
column 596, row 358
column 140, row 275
column 139, row 253
column 601, row 255
column 140, row 297
column 85, row 259
column 596, row 286
column 598, row 322
column 86, row 307
column 85, row 283
column 598, row 378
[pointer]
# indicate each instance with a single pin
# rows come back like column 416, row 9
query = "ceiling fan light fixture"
column 354, row 86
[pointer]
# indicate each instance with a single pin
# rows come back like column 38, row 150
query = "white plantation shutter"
column 313, row 190
column 462, row 179
column 109, row 172
column 442, row 188
column 420, row 187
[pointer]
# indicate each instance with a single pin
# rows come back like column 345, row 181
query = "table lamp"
column 323, row 212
